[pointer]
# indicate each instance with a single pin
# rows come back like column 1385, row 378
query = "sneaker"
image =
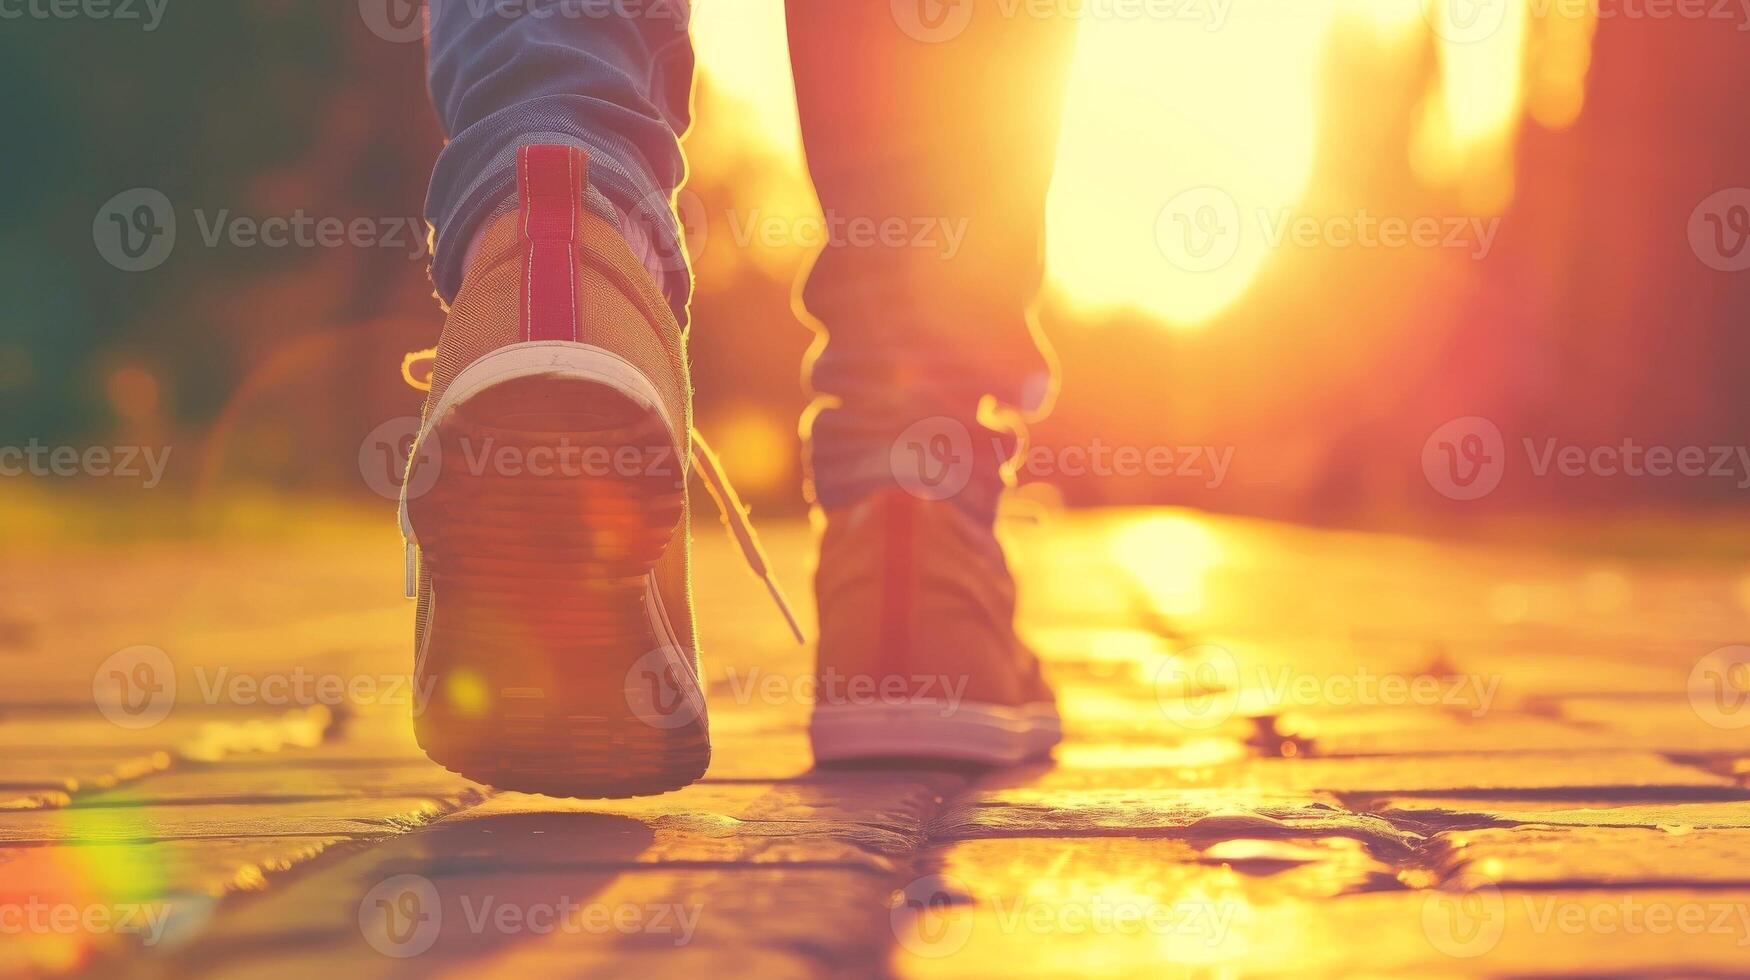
column 546, row 513
column 918, row 653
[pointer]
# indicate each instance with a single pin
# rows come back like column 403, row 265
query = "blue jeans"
column 929, row 140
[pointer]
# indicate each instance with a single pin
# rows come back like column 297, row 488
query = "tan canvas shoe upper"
column 917, row 590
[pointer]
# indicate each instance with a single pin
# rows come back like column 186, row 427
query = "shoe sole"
column 550, row 663
column 971, row 731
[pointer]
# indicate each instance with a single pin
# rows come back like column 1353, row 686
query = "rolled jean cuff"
column 950, row 458
column 475, row 181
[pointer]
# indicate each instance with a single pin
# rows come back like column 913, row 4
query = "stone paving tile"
column 1562, row 665
column 271, row 783
column 1435, row 811
column 1322, row 825
column 50, row 781
column 1603, row 856
column 1100, row 712
column 1136, row 908
column 883, row 812
column 1419, row 731
column 1128, row 907
column 49, row 759
column 1093, row 907
column 1185, row 814
column 1149, row 756
column 351, row 817
column 140, row 871
column 788, row 868
column 540, row 958
column 1658, row 724
column 1445, row 774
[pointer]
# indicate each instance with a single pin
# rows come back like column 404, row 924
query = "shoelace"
column 710, row 469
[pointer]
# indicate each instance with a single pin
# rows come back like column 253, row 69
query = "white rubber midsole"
column 585, row 362
column 540, row 358
column 970, row 731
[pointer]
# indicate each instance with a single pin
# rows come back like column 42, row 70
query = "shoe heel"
column 546, row 664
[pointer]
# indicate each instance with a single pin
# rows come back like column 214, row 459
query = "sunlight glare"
column 1158, row 107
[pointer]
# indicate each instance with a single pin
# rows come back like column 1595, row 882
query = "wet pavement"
column 1289, row 752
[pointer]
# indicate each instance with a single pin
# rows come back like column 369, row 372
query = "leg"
column 927, row 363
column 545, row 504
column 610, row 83
column 954, row 137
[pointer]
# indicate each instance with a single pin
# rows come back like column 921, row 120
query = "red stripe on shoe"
column 898, row 580
column 550, row 181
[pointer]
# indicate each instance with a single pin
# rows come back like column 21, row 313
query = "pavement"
column 1289, row 751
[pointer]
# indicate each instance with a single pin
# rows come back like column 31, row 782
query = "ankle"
column 638, row 238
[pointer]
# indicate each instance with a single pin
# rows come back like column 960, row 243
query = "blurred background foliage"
column 1323, row 369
